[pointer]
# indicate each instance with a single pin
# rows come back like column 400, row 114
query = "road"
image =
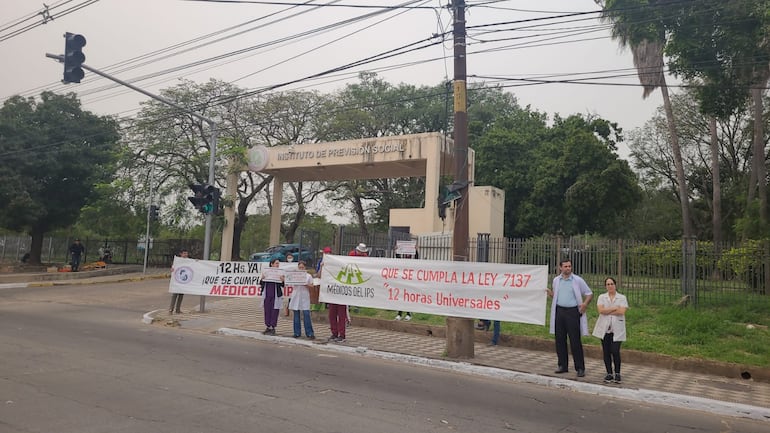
column 78, row 359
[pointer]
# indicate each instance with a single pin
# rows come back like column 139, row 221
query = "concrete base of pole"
column 460, row 336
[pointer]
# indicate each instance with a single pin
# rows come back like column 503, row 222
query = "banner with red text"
column 212, row 278
column 506, row 292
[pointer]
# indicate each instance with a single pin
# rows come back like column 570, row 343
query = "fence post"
column 620, row 263
column 482, row 247
column 765, row 267
column 689, row 280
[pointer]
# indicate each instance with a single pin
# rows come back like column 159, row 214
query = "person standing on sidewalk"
column 272, row 295
column 571, row 296
column 406, row 315
column 338, row 314
column 484, row 325
column 318, row 270
column 611, row 327
column 76, row 250
column 300, row 303
column 176, row 298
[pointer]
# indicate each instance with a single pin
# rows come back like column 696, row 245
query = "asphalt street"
column 78, row 359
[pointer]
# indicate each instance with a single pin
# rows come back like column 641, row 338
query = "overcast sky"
column 260, row 45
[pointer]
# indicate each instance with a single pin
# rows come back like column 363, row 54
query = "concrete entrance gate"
column 426, row 155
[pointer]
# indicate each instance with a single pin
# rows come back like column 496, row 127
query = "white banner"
column 211, row 278
column 506, row 292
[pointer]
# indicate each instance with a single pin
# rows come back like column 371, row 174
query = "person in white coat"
column 611, row 327
column 300, row 304
column 571, row 296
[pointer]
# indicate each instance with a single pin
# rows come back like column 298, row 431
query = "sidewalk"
column 648, row 383
column 645, row 381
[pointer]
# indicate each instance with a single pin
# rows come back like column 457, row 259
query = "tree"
column 640, row 25
column 652, row 158
column 563, row 179
column 170, row 150
column 53, row 156
column 727, row 49
column 289, row 118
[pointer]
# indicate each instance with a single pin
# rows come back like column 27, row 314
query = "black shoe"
column 561, row 370
column 311, row 337
column 581, row 373
column 297, row 336
column 608, row 378
column 266, row 331
column 617, row 378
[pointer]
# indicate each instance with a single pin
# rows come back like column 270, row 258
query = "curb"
column 692, row 365
column 98, row 280
column 642, row 395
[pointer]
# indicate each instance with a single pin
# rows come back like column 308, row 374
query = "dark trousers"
column 271, row 313
column 176, row 303
column 568, row 325
column 611, row 352
column 75, row 262
column 495, row 330
column 338, row 317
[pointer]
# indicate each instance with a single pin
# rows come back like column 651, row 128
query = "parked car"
column 281, row 251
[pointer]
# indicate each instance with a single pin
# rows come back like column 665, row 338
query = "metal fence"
column 55, row 250
column 681, row 271
column 686, row 271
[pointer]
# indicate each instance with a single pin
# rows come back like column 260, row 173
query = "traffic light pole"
column 213, row 152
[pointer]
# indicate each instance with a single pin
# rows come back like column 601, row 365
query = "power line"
column 46, row 18
column 276, row 3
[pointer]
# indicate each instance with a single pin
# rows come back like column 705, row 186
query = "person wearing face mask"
column 300, row 305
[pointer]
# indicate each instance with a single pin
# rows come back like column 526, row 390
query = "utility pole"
column 460, row 332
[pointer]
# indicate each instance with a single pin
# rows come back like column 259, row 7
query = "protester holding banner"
column 411, row 253
column 318, row 267
column 338, row 314
column 300, row 303
column 176, row 298
column 272, row 295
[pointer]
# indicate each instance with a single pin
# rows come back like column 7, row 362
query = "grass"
column 715, row 332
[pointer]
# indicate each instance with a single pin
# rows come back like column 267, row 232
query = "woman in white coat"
column 611, row 327
column 300, row 303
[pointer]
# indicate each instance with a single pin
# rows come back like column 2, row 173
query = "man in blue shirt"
column 571, row 296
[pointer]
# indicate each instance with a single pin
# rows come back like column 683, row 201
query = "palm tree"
column 636, row 25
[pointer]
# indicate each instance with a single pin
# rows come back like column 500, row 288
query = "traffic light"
column 206, row 198
column 73, row 57
column 452, row 192
column 197, row 199
column 154, row 213
column 449, row 194
column 216, row 195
